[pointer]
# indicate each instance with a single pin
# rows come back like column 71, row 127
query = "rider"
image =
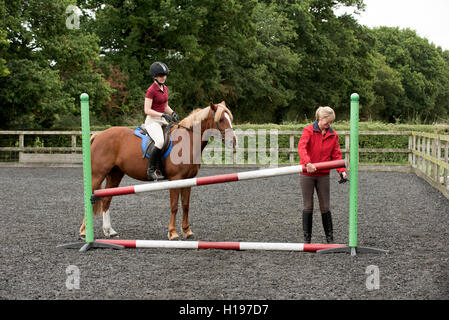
column 158, row 114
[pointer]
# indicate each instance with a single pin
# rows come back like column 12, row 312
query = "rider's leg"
column 155, row 131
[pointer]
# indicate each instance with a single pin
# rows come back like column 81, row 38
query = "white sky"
column 429, row 18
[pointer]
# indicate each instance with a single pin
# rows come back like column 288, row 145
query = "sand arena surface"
column 43, row 207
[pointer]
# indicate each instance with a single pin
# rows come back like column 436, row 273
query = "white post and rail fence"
column 427, row 154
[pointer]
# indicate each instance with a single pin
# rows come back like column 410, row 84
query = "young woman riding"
column 158, row 113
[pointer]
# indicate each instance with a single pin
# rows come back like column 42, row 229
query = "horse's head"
column 223, row 122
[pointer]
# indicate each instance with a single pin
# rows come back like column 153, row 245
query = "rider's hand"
column 175, row 117
column 167, row 117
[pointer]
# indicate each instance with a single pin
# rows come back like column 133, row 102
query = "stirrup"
column 152, row 175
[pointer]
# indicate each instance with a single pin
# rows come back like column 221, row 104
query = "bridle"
column 213, row 125
column 222, row 132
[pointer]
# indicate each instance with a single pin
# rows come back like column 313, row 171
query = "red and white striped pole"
column 271, row 246
column 240, row 176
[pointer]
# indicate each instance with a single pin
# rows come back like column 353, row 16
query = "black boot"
column 327, row 226
column 154, row 154
column 307, row 219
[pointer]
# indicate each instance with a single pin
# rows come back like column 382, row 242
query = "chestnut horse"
column 117, row 151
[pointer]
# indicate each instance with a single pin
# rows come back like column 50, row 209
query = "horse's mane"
column 199, row 115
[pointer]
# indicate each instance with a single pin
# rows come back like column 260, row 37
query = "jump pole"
column 87, row 178
column 193, row 182
column 353, row 187
column 267, row 246
column 248, row 175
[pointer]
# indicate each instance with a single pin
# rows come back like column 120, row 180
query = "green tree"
column 336, row 58
column 423, row 72
column 260, row 83
column 49, row 64
column 387, row 88
column 3, row 48
column 184, row 34
column 4, row 44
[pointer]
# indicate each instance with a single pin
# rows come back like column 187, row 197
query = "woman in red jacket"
column 318, row 143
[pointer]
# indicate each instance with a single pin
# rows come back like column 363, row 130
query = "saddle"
column 147, row 142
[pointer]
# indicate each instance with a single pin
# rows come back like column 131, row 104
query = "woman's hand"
column 310, row 168
column 343, row 177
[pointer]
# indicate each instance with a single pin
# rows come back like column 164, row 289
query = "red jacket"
column 313, row 147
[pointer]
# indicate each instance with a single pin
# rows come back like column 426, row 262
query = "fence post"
column 21, row 143
column 410, row 147
column 73, row 143
column 446, row 159
column 438, row 157
column 418, row 148
column 429, row 154
column 347, row 146
column 292, row 149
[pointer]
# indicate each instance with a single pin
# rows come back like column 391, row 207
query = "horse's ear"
column 223, row 103
column 213, row 106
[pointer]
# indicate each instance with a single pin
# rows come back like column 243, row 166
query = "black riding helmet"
column 159, row 69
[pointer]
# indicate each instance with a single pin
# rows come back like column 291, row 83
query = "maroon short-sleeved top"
column 160, row 97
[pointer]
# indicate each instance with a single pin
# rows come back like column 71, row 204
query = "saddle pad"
column 145, row 140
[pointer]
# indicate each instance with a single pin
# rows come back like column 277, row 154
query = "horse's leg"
column 112, row 181
column 96, row 184
column 174, row 198
column 185, row 199
column 83, row 228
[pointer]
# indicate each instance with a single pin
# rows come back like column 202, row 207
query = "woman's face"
column 161, row 79
column 324, row 123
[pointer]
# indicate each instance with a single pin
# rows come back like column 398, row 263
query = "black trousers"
column 308, row 186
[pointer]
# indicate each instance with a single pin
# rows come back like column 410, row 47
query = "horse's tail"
column 97, row 207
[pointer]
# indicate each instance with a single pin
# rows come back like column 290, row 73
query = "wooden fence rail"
column 292, row 150
column 429, row 159
column 427, row 153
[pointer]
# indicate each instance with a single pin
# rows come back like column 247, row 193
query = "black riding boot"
column 307, row 219
column 152, row 174
column 327, row 226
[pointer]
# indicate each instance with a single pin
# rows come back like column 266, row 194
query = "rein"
column 180, row 125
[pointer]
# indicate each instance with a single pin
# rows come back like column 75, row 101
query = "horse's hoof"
column 111, row 233
column 188, row 235
column 173, row 236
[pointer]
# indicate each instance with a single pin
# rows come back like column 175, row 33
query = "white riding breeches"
column 154, row 128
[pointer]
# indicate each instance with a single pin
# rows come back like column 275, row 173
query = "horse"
column 116, row 151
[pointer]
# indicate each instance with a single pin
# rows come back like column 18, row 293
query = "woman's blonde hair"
column 325, row 112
